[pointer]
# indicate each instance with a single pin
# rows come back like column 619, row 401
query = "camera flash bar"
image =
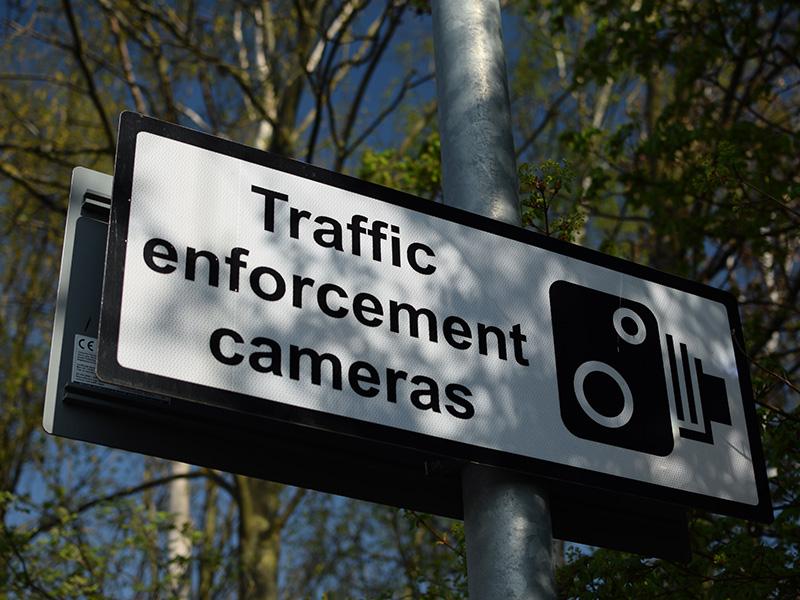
column 699, row 398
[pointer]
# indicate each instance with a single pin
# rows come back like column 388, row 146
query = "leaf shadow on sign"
column 722, row 466
column 480, row 277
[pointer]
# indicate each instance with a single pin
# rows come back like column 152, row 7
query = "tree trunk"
column 259, row 538
column 179, row 545
column 206, row 576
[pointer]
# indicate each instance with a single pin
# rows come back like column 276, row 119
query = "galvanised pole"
column 506, row 515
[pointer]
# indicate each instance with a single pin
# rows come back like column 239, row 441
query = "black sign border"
column 131, row 124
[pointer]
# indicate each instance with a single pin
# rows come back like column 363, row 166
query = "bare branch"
column 130, row 491
column 54, row 80
column 45, row 152
column 337, row 25
column 264, row 43
column 408, row 84
column 279, row 522
column 47, row 200
column 194, row 117
column 552, row 113
column 80, row 56
column 209, row 57
column 394, row 17
column 127, row 66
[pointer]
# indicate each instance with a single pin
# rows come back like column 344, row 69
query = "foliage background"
column 664, row 132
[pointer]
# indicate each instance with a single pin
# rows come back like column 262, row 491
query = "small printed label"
column 84, row 363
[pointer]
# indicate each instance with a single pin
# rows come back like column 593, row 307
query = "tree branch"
column 394, row 17
column 408, row 85
column 127, row 66
column 279, row 522
column 552, row 113
column 78, row 51
column 129, row 491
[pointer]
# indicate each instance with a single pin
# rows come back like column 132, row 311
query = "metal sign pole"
column 506, row 516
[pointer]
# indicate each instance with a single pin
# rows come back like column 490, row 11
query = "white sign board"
column 248, row 281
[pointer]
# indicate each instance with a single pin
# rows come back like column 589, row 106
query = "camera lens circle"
column 592, row 366
column 632, row 338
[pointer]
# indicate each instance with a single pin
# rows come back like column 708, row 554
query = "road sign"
column 81, row 407
column 247, row 282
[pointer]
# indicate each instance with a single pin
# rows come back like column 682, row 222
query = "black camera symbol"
column 612, row 384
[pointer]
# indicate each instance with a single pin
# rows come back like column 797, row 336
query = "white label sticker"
column 84, row 363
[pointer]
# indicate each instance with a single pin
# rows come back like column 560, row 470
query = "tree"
column 683, row 135
column 298, row 78
column 662, row 132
